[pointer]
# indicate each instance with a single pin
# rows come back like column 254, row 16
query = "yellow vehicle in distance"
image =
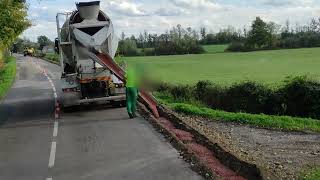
column 28, row 51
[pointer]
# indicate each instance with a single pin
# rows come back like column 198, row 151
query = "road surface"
column 95, row 144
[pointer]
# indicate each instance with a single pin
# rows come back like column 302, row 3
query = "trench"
column 205, row 157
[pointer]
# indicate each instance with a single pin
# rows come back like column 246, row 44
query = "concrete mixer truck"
column 83, row 80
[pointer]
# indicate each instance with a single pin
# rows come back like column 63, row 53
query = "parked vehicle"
column 83, row 80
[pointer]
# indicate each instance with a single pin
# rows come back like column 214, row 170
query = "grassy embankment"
column 312, row 174
column 259, row 120
column 7, row 75
column 269, row 67
column 52, row 57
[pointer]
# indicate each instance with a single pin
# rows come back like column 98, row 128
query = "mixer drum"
column 89, row 20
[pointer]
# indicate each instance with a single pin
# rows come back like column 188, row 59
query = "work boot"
column 131, row 115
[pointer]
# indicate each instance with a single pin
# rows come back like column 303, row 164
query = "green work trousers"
column 132, row 96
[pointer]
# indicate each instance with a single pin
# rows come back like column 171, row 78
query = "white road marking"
column 52, row 154
column 55, row 129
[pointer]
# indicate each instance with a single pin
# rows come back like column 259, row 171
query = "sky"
column 158, row 16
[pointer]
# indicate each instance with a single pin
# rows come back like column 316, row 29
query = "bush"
column 298, row 97
column 181, row 92
column 248, row 97
column 162, row 87
column 52, row 57
column 301, row 97
column 237, row 47
column 148, row 52
column 201, row 89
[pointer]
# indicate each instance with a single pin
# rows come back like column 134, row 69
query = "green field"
column 211, row 49
column 269, row 67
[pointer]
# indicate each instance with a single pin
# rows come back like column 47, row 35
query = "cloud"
column 197, row 4
column 41, row 28
column 135, row 16
column 126, row 7
column 170, row 12
column 277, row 2
column 281, row 3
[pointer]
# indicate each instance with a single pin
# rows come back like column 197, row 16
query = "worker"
column 132, row 81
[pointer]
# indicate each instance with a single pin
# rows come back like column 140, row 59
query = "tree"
column 128, row 47
column 141, row 43
column 258, row 36
column 13, row 21
column 203, row 33
column 43, row 41
column 145, row 37
column 179, row 29
column 150, row 41
column 123, row 36
column 273, row 30
column 314, row 25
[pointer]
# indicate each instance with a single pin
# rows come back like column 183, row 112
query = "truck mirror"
column 56, row 45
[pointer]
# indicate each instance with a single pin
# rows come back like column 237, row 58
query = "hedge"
column 298, row 97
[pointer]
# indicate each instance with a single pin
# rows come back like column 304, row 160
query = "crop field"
column 268, row 67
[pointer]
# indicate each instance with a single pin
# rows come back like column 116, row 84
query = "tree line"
column 177, row 40
column 266, row 36
column 13, row 21
column 21, row 43
column 260, row 36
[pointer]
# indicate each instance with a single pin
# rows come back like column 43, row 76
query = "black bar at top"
column 81, row 4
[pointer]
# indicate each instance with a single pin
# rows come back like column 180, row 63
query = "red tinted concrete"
column 166, row 123
column 208, row 158
column 183, row 135
column 204, row 155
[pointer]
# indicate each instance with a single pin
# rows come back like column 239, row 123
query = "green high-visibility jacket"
column 131, row 78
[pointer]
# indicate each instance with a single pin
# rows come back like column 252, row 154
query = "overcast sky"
column 156, row 16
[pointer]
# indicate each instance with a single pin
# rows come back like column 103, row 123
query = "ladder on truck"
column 63, row 43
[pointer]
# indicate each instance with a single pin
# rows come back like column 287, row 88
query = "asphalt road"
column 91, row 143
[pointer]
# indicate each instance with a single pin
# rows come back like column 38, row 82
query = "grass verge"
column 259, row 120
column 312, row 174
column 7, row 76
column 52, row 57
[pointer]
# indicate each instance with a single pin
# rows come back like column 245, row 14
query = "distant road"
column 95, row 144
